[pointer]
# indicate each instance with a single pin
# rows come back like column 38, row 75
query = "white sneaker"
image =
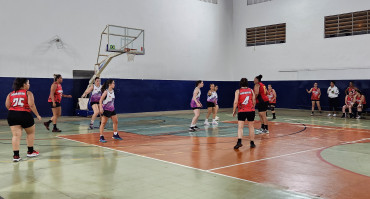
column 214, row 123
column 334, row 115
column 217, row 118
column 358, row 117
column 329, row 115
column 206, row 123
column 259, row 130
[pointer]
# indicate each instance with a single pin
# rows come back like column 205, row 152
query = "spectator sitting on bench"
column 349, row 101
column 360, row 102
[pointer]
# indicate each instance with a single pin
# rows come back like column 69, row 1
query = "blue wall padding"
column 40, row 87
column 165, row 95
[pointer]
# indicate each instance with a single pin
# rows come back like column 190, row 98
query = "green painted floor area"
column 353, row 157
column 67, row 169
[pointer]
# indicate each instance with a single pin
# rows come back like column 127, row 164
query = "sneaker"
column 46, row 124
column 102, row 140
column 56, row 130
column 358, row 117
column 265, row 131
column 33, row 154
column 117, row 137
column 191, row 129
column 343, row 116
column 252, row 144
column 238, row 145
column 91, row 126
column 16, row 158
column 274, row 117
column 334, row 115
column 351, row 115
column 214, row 123
column 217, row 118
column 329, row 115
column 259, row 130
column 206, row 123
column 196, row 128
column 311, row 114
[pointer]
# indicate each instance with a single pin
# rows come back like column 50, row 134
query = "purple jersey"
column 212, row 98
column 96, row 94
column 193, row 104
column 108, row 103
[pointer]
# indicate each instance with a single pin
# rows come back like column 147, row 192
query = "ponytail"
column 56, row 77
column 259, row 77
column 106, row 85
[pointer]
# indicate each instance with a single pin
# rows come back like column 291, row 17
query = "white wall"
column 184, row 40
column 305, row 49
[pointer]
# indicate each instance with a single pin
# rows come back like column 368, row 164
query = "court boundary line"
column 336, row 166
column 189, row 167
column 289, row 154
column 309, row 125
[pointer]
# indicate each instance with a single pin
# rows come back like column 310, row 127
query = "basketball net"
column 131, row 55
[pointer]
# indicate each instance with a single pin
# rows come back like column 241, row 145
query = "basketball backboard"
column 122, row 39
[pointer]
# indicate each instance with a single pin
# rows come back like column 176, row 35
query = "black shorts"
column 210, row 104
column 109, row 114
column 242, row 116
column 196, row 108
column 23, row 118
column 262, row 106
column 57, row 104
column 92, row 103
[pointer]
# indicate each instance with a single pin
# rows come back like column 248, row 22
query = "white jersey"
column 96, row 90
column 212, row 97
column 108, row 102
column 96, row 94
column 198, row 96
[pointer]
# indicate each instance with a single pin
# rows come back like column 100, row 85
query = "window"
column 251, row 2
column 354, row 23
column 265, row 35
column 210, row 1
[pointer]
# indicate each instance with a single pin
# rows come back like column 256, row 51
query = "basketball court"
column 159, row 159
column 145, row 57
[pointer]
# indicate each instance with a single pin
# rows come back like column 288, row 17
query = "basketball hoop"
column 131, row 55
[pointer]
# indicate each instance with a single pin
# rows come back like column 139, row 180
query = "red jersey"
column 271, row 96
column 315, row 94
column 57, row 94
column 19, row 101
column 353, row 90
column 245, row 102
column 358, row 100
column 262, row 93
column 349, row 100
